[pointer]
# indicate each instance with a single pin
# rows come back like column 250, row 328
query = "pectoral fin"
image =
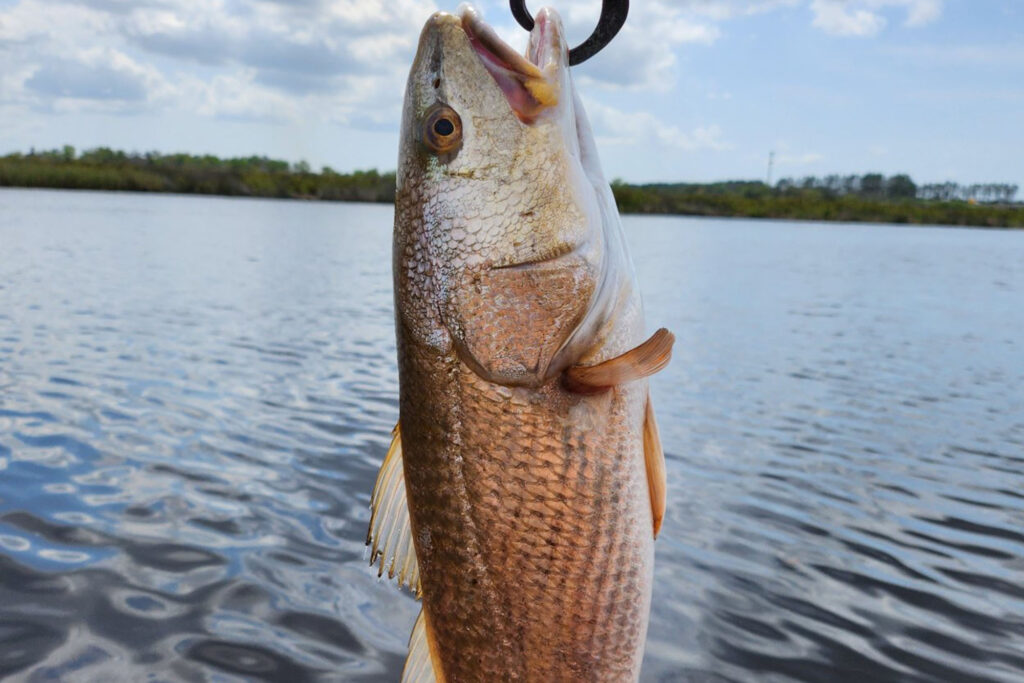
column 654, row 458
column 643, row 361
column 390, row 534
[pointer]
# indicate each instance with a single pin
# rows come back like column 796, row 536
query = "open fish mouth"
column 530, row 82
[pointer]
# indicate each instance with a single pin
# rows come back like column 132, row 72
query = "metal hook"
column 613, row 16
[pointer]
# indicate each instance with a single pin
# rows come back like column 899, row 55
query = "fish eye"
column 442, row 129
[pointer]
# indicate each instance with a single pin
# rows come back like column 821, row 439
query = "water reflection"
column 195, row 394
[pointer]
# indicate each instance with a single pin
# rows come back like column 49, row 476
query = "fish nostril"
column 437, row 83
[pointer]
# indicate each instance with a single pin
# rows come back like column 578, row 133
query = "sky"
column 691, row 90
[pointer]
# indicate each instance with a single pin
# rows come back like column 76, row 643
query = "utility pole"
column 771, row 166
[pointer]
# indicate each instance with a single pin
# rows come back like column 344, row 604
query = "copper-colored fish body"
column 529, row 505
column 533, row 526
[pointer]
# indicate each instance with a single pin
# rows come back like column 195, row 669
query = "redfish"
column 525, row 485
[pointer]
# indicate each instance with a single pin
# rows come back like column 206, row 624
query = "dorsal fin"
column 643, row 361
column 390, row 534
column 654, row 458
column 419, row 665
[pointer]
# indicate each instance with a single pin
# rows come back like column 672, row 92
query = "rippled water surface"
column 195, row 394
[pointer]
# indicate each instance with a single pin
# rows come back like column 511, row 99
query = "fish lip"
column 531, row 83
column 547, row 46
column 544, row 50
column 490, row 47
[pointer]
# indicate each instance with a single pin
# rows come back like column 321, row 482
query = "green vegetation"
column 871, row 197
column 106, row 169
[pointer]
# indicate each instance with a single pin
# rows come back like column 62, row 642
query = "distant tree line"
column 868, row 198
column 877, row 186
column 872, row 197
column 255, row 176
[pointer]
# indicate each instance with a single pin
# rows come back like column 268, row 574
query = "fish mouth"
column 530, row 82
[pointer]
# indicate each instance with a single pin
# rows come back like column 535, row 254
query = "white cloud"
column 30, row 29
column 616, row 127
column 239, row 97
column 101, row 79
column 643, row 55
column 865, row 18
column 838, row 18
column 260, row 52
column 921, row 12
column 343, row 54
column 260, row 60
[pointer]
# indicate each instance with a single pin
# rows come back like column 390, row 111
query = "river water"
column 196, row 393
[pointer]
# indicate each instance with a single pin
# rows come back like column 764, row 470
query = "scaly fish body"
column 529, row 492
column 533, row 527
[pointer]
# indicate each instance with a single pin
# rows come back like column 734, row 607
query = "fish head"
column 507, row 244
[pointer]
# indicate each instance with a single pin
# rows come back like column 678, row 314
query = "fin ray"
column 419, row 665
column 654, row 459
column 390, row 533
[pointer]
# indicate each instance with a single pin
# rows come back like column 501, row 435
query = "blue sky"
column 691, row 90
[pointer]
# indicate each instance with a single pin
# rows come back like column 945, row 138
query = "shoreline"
column 871, row 198
column 622, row 211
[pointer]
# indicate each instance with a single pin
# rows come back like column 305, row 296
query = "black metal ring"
column 613, row 16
